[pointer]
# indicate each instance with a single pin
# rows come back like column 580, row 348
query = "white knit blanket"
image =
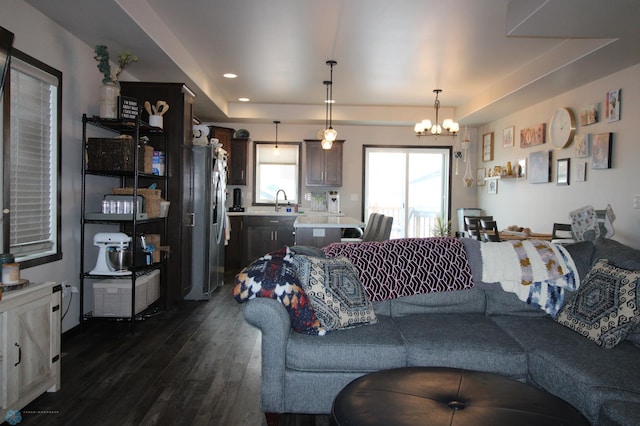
column 536, row 271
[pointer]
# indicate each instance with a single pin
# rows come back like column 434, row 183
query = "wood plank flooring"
column 196, row 364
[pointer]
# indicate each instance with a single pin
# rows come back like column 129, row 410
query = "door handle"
column 192, row 221
column 19, row 355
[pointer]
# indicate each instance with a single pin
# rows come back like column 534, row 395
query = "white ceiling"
column 489, row 57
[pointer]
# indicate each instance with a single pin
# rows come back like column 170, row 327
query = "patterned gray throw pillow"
column 607, row 305
column 335, row 291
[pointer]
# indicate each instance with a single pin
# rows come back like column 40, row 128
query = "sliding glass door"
column 409, row 183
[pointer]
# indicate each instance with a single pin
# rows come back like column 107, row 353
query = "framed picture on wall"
column 480, row 175
column 589, row 115
column 581, row 145
column 540, row 167
column 562, row 171
column 613, row 106
column 492, row 186
column 601, row 147
column 487, row 147
column 507, row 136
column 581, row 171
column 532, row 136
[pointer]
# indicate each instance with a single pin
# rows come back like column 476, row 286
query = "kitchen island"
column 320, row 231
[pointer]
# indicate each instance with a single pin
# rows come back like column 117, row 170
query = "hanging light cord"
column 276, row 122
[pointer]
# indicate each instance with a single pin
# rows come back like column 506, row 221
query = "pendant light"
column 330, row 134
column 276, row 150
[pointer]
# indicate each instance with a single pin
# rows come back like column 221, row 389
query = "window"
column 273, row 172
column 412, row 184
column 31, row 148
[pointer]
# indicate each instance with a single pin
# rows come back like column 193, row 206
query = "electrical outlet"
column 636, row 202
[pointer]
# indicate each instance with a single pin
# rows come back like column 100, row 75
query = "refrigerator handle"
column 192, row 222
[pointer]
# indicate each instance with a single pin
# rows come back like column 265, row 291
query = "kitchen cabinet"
column 29, row 344
column 120, row 165
column 264, row 234
column 237, row 163
column 178, row 126
column 224, row 136
column 324, row 167
column 233, row 250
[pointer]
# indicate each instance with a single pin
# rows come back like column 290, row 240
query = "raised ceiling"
column 490, row 57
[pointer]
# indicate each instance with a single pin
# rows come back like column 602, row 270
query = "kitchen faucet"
column 285, row 198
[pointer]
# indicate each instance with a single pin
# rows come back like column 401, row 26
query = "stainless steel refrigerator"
column 209, row 165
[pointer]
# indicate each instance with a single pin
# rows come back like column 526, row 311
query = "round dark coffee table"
column 448, row 396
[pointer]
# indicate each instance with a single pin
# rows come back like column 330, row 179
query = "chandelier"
column 329, row 134
column 426, row 128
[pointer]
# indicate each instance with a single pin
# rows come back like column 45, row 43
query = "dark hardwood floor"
column 197, row 364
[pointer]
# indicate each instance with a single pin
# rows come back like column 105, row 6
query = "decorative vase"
column 108, row 102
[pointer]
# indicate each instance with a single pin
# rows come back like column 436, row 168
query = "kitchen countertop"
column 317, row 221
column 282, row 213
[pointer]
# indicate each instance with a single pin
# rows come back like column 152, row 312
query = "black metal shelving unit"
column 134, row 128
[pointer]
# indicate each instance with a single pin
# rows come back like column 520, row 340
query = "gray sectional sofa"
column 482, row 328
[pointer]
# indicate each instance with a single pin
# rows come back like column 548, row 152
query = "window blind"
column 32, row 174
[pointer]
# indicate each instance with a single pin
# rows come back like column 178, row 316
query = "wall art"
column 532, row 136
column 521, row 169
column 480, row 175
column 508, row 134
column 492, row 186
column 589, row 114
column 581, row 171
column 487, row 147
column 582, row 145
column 540, row 167
column 601, row 147
column 613, row 106
column 562, row 171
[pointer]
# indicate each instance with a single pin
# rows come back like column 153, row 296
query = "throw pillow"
column 335, row 292
column 273, row 276
column 606, row 307
column 584, row 224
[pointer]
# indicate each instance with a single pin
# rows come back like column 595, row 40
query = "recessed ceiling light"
column 244, row 99
column 229, row 75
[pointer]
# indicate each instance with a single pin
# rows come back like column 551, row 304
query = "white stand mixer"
column 107, row 241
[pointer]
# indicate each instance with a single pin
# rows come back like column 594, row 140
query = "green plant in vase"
column 442, row 228
column 110, row 90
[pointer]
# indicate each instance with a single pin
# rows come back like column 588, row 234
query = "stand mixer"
column 109, row 242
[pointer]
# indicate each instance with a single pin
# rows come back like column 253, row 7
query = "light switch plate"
column 318, row 232
column 636, row 202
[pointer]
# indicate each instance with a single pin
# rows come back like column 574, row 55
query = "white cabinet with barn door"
column 29, row 344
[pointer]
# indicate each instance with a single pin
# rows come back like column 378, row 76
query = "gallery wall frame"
column 492, row 186
column 533, row 136
column 481, row 173
column 563, row 171
column 508, row 135
column 612, row 105
column 581, row 171
column 582, row 145
column 540, row 167
column 487, row 147
column 589, row 114
column 601, row 147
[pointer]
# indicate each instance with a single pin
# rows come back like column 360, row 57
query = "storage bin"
column 153, row 287
column 112, row 297
column 152, row 198
column 117, row 155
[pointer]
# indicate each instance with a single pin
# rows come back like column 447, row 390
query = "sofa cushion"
column 607, row 305
column 335, row 291
column 581, row 253
column 617, row 253
column 362, row 349
column 469, row 341
column 273, row 276
column 500, row 302
column 461, row 302
column 572, row 367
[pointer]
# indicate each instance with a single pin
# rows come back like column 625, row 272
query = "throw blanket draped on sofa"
column 536, row 271
column 407, row 266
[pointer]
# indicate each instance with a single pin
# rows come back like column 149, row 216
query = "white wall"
column 41, row 38
column 538, row 206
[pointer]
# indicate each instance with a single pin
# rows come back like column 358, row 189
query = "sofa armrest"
column 271, row 317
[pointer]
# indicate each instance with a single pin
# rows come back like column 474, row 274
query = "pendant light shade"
column 330, row 134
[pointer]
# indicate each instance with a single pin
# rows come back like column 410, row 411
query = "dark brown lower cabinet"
column 264, row 234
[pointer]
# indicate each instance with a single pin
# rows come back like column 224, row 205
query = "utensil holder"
column 155, row 121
